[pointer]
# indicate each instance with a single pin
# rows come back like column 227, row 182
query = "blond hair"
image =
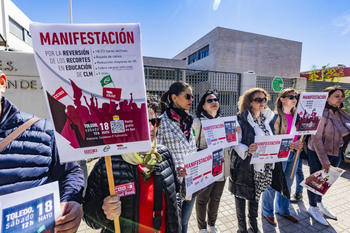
column 283, row 94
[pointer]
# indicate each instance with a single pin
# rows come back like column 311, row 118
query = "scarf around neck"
column 180, row 116
column 145, row 161
column 207, row 115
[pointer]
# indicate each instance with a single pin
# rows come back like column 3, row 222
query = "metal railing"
column 158, row 80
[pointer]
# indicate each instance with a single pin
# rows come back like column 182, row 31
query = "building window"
column 202, row 53
column 20, row 32
column 193, row 58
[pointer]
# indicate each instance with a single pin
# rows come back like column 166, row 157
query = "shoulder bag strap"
column 158, row 199
column 17, row 132
column 199, row 137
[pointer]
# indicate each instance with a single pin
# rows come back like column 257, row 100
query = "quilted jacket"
column 32, row 158
column 123, row 172
column 242, row 172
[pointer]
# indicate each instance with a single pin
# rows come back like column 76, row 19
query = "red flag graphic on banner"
column 112, row 93
column 59, row 94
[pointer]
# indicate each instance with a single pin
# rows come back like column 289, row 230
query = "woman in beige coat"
column 207, row 202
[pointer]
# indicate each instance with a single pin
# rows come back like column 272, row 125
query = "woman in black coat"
column 248, row 181
column 151, row 176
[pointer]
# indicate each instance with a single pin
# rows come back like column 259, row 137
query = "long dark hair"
column 176, row 88
column 200, row 109
column 330, row 91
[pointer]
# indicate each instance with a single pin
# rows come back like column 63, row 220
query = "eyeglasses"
column 155, row 122
column 212, row 100
column 260, row 100
column 291, row 97
column 188, row 96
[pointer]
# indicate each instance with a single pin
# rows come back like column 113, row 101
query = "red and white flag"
column 112, row 93
column 59, row 94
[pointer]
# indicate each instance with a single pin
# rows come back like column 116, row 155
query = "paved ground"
column 337, row 200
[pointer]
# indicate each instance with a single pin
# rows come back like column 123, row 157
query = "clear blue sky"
column 169, row 26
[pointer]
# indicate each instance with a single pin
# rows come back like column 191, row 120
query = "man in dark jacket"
column 32, row 160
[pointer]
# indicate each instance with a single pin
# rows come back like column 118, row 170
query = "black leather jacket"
column 123, row 172
column 242, row 172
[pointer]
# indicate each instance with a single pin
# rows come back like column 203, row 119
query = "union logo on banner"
column 112, row 93
column 59, row 94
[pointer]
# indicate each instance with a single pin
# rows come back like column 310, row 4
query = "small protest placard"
column 33, row 210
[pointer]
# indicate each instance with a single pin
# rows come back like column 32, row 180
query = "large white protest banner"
column 203, row 168
column 33, row 210
column 93, row 80
column 221, row 131
column 309, row 112
column 271, row 149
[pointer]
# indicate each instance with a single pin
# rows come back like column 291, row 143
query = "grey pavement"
column 337, row 199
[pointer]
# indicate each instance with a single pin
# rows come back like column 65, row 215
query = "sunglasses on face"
column 155, row 122
column 260, row 100
column 291, row 97
column 188, row 96
column 212, row 100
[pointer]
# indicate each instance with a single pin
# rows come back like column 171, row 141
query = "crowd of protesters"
column 180, row 134
column 159, row 203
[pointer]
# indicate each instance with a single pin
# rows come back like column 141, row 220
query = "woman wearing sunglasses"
column 207, row 202
column 324, row 148
column 248, row 181
column 175, row 132
column 153, row 202
column 285, row 107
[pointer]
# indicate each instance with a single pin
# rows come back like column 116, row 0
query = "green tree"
column 313, row 73
column 326, row 74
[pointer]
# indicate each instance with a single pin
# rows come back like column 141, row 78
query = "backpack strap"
column 158, row 199
column 17, row 132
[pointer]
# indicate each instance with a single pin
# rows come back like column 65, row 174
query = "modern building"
column 228, row 50
column 14, row 28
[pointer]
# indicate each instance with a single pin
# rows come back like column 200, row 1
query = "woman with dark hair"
column 248, row 181
column 285, row 107
column 324, row 148
column 155, row 190
column 207, row 202
column 175, row 132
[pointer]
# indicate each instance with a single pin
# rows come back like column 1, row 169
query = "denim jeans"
column 299, row 176
column 187, row 207
column 268, row 196
column 315, row 165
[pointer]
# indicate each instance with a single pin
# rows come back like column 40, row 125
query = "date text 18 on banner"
column 93, row 80
column 33, row 210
